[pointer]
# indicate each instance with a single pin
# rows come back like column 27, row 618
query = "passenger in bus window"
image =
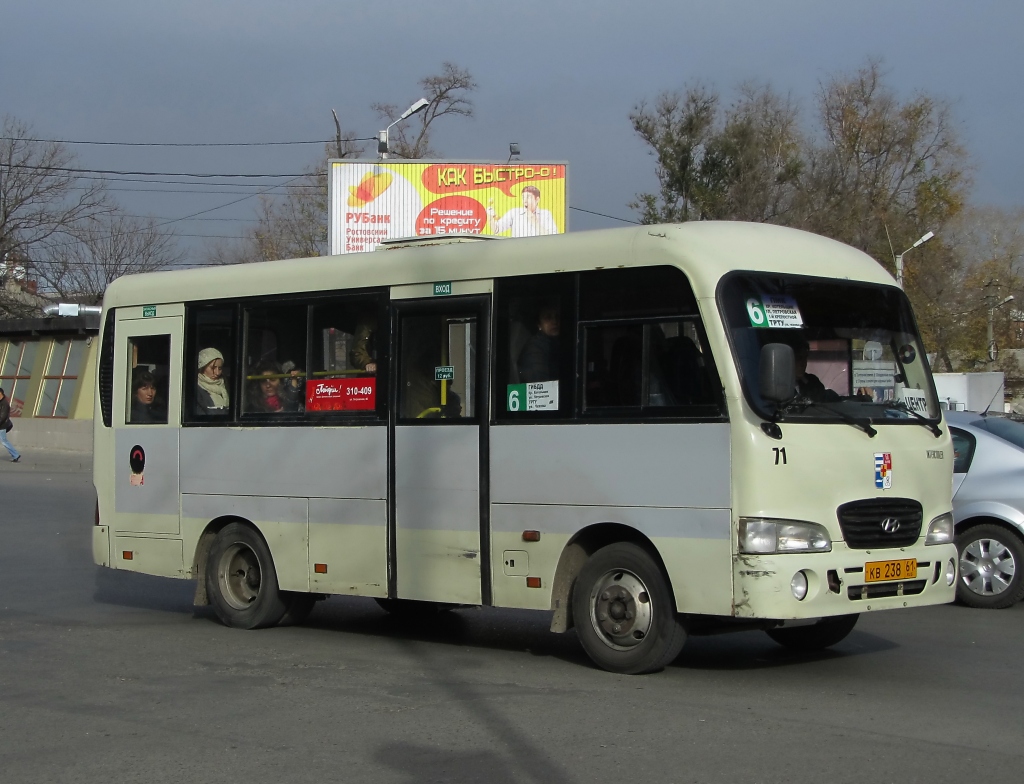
column 538, row 361
column 264, row 395
column 363, row 355
column 146, row 408
column 212, row 392
column 292, row 391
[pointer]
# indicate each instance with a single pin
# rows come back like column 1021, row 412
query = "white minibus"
column 649, row 432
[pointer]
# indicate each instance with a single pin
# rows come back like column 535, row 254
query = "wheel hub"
column 240, row 576
column 987, row 567
column 621, row 609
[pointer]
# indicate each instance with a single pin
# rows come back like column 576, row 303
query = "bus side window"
column 275, row 360
column 643, row 351
column 535, row 343
column 349, row 356
column 149, row 360
column 209, row 364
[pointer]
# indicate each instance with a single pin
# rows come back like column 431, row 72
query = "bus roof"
column 704, row 251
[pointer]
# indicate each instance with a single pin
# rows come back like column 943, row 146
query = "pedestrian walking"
column 6, row 426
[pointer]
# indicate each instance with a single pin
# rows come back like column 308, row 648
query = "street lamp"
column 899, row 258
column 382, row 136
column 991, row 316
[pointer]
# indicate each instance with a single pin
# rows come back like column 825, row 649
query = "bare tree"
column 43, row 201
column 102, row 250
column 447, row 93
column 737, row 164
column 881, row 162
column 292, row 225
column 296, row 225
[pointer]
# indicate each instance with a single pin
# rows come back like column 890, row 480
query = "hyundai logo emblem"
column 890, row 525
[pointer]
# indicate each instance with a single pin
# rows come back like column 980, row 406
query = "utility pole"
column 992, row 353
column 337, row 129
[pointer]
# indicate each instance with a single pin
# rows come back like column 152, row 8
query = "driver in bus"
column 808, row 385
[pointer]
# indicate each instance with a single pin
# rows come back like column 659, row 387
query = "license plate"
column 900, row 569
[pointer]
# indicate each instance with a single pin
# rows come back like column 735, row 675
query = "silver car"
column 988, row 507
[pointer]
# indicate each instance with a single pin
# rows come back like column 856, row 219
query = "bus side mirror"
column 777, row 379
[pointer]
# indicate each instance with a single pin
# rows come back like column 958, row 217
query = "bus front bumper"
column 770, row 586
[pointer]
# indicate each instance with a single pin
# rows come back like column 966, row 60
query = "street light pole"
column 382, row 136
column 992, row 354
column 899, row 258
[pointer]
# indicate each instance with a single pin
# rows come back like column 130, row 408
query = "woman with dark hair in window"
column 145, row 407
column 265, row 394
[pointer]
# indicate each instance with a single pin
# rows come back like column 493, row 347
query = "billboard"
column 373, row 201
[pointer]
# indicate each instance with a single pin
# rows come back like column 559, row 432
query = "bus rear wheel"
column 241, row 580
column 816, row 637
column 623, row 611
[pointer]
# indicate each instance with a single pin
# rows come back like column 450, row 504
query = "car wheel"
column 815, row 637
column 623, row 611
column 241, row 581
column 991, row 567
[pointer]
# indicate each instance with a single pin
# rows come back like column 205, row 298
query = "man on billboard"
column 525, row 221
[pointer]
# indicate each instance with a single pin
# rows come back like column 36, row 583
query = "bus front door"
column 438, row 518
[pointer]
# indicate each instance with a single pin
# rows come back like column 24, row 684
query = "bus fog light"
column 798, row 585
column 940, row 530
column 950, row 572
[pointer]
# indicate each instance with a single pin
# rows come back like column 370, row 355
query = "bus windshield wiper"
column 901, row 405
column 802, row 404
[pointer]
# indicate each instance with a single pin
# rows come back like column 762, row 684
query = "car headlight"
column 760, row 535
column 940, row 530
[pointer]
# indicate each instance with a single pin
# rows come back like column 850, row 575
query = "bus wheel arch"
column 580, row 547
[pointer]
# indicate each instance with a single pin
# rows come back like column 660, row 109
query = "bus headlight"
column 940, row 530
column 763, row 536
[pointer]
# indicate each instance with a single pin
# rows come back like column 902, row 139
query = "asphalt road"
column 114, row 677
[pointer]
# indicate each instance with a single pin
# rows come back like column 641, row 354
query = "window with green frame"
column 16, row 371
column 61, row 378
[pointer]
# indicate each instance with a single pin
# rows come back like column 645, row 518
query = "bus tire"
column 624, row 613
column 241, row 581
column 816, row 637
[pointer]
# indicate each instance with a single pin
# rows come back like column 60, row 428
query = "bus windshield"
column 856, row 346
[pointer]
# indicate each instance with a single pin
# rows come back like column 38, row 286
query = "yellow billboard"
column 373, row 201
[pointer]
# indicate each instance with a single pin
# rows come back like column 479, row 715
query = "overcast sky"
column 558, row 78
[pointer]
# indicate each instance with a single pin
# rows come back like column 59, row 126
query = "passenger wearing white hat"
column 212, row 394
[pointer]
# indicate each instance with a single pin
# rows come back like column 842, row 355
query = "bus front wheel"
column 623, row 611
column 241, row 581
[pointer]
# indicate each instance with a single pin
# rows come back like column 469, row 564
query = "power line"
column 185, row 144
column 602, row 215
column 178, row 182
column 156, row 174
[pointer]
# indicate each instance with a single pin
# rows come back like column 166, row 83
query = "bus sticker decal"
column 137, row 462
column 883, row 470
column 538, row 396
column 341, row 394
column 774, row 311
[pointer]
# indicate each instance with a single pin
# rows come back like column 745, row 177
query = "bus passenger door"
column 438, row 519
column 146, row 418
